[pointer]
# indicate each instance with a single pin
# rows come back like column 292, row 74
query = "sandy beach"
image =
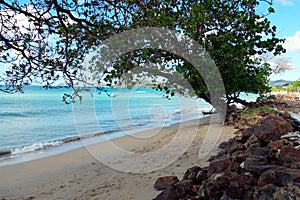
column 78, row 174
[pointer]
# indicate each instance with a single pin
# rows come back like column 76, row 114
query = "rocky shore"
column 261, row 162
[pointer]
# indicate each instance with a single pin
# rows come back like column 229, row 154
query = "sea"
column 37, row 123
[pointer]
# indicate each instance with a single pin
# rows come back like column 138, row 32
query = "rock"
column 4, row 152
column 288, row 155
column 292, row 136
column 183, row 187
column 195, row 188
column 191, row 173
column 295, row 165
column 208, row 189
column 224, row 145
column 252, row 140
column 236, row 146
column 265, row 193
column 257, row 170
column 278, row 144
column 289, row 192
column 243, row 179
column 221, row 181
column 269, row 130
column 218, row 166
column 255, row 149
column 234, row 191
column 254, row 160
column 201, row 176
column 168, row 194
column 240, row 156
column 176, row 191
column 281, row 176
column 164, row 182
column 260, row 163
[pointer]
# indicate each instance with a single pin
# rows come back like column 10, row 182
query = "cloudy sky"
column 287, row 20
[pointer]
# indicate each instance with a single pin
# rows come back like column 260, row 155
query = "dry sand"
column 77, row 174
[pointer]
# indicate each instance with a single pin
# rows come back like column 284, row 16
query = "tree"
column 59, row 34
column 294, row 87
column 278, row 64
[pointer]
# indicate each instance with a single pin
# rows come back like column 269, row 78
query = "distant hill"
column 280, row 83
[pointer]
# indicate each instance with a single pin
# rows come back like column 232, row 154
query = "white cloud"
column 285, row 2
column 292, row 43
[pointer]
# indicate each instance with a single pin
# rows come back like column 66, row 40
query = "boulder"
column 288, row 155
column 218, row 166
column 201, row 176
column 254, row 160
column 176, row 191
column 164, row 182
column 191, row 173
column 269, row 130
column 257, row 170
column 265, row 193
column 4, row 152
column 281, row 176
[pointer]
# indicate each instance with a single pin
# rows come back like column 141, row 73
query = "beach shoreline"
column 78, row 174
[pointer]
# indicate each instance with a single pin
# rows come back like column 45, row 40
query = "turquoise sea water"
column 38, row 119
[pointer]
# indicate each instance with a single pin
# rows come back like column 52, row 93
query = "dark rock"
column 295, row 165
column 183, row 187
column 176, row 191
column 168, row 194
column 254, row 160
column 256, row 164
column 4, row 152
column 191, row 173
column 269, row 130
column 280, row 176
column 218, row 166
column 201, row 176
column 224, row 145
column 272, row 129
column 240, row 156
column 259, row 169
column 289, row 192
column 255, row 149
column 266, row 192
column 195, row 189
column 277, row 144
column 222, row 182
column 243, row 179
column 252, row 140
column 236, row 146
column 220, row 154
column 234, row 191
column 164, row 182
column 268, row 177
column 209, row 188
column 288, row 155
column 200, row 192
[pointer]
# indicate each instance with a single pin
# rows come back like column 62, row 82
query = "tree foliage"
column 294, row 87
column 47, row 41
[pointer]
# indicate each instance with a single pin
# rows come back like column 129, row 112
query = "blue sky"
column 287, row 20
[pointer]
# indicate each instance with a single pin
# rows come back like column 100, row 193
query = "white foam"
column 35, row 147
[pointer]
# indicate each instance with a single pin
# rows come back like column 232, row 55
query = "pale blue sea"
column 38, row 119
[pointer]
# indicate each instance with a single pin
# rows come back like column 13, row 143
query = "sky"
column 287, row 20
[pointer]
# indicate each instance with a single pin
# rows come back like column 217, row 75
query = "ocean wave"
column 35, row 147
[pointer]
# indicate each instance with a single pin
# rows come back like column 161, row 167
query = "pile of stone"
column 261, row 162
